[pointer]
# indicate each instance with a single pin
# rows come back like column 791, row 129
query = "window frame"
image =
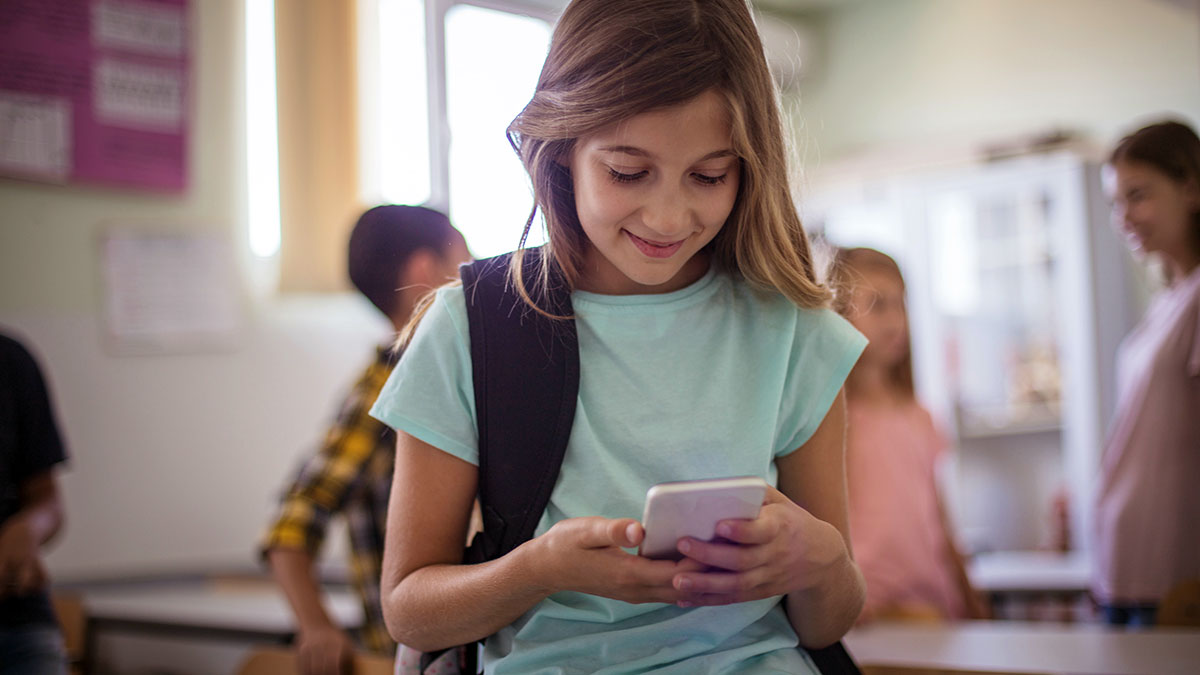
column 437, row 108
column 435, row 64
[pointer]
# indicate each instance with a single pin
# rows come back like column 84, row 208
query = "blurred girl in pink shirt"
column 901, row 539
column 1149, row 490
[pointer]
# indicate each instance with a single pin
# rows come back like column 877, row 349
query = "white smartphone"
column 692, row 508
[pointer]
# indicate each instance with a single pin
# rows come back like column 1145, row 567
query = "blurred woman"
column 1149, row 490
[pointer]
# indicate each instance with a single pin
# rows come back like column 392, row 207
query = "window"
column 262, row 132
column 439, row 82
column 492, row 63
column 393, row 103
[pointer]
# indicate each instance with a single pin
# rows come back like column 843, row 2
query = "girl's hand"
column 326, row 650
column 21, row 569
column 785, row 549
column 585, row 555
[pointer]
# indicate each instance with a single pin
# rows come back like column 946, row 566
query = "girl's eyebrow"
column 638, row 152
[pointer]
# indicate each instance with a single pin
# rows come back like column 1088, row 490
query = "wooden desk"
column 192, row 628
column 249, row 611
column 1027, row 647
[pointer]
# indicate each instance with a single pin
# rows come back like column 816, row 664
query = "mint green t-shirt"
column 716, row 379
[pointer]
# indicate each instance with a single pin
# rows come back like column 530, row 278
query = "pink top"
column 1148, row 504
column 895, row 519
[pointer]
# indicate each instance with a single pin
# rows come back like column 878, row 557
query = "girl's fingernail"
column 724, row 530
column 683, row 583
column 684, row 603
column 685, row 546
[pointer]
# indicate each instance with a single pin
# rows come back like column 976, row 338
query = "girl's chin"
column 654, row 279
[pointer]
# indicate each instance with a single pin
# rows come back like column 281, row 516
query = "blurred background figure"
column 1149, row 489
column 901, row 537
column 396, row 255
column 31, row 513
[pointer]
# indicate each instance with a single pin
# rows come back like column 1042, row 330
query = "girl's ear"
column 1191, row 192
column 421, row 269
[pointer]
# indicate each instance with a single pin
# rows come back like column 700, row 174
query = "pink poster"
column 95, row 91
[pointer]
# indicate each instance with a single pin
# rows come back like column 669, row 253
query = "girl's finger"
column 605, row 532
column 732, row 557
column 758, row 531
column 774, row 496
column 646, row 574
column 736, row 586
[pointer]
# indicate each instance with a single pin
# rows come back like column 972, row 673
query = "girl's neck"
column 1180, row 266
column 873, row 385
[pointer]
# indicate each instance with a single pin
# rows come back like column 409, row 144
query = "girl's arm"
column 831, row 589
column 23, row 534
column 432, row 601
column 799, row 546
column 973, row 602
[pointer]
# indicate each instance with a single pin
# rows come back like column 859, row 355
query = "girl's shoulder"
column 446, row 315
column 774, row 301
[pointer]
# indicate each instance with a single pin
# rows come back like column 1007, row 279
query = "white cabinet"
column 1018, row 294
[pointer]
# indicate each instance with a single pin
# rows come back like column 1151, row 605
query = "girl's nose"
column 668, row 215
column 1120, row 218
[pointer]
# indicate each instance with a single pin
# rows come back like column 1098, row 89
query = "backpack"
column 524, row 415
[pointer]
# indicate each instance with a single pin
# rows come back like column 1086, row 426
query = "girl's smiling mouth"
column 655, row 249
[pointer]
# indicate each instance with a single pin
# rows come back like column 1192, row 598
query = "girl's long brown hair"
column 612, row 59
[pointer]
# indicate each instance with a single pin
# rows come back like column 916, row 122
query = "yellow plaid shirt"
column 351, row 475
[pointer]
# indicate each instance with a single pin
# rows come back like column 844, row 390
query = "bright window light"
column 262, row 129
column 955, row 254
column 394, row 102
column 492, row 63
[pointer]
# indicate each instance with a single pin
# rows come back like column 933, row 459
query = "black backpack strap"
column 526, row 377
column 833, row 660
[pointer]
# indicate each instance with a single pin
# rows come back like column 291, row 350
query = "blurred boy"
column 396, row 255
column 31, row 514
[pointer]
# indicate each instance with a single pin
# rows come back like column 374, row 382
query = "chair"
column 1181, row 605
column 282, row 661
column 73, row 622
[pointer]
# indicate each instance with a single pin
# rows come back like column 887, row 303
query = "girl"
column 656, row 153
column 901, row 538
column 1148, row 499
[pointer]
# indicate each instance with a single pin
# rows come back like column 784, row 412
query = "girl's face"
column 877, row 311
column 650, row 192
column 1152, row 210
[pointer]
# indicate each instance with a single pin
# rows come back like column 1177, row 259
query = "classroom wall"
column 175, row 460
column 910, row 73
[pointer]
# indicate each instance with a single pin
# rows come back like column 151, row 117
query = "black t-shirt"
column 29, row 445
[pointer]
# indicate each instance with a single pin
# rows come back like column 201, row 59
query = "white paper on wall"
column 169, row 293
column 35, row 135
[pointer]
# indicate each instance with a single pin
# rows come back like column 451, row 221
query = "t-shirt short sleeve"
column 429, row 394
column 825, row 348
column 31, row 440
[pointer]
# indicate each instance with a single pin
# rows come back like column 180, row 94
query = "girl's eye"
column 709, row 180
column 626, row 177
